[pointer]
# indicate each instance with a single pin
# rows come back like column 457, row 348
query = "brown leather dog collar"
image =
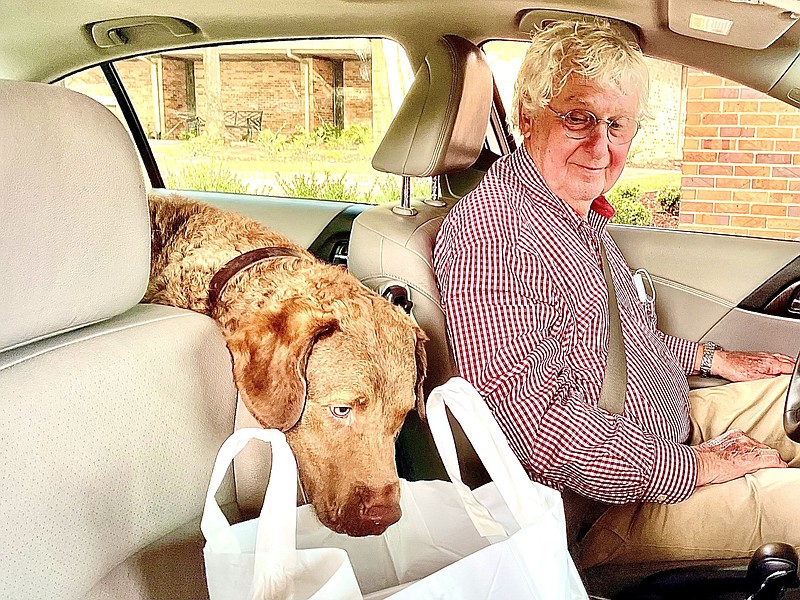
column 242, row 262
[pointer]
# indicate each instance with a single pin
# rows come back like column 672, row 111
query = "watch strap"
column 708, row 357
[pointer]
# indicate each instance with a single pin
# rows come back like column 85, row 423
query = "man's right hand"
column 732, row 455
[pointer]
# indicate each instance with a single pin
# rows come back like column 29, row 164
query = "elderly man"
column 592, row 396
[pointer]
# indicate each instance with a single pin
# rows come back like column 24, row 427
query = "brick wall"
column 658, row 143
column 322, row 97
column 136, row 75
column 357, row 93
column 175, row 95
column 741, row 161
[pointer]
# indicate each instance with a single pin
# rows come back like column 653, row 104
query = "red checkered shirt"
column 522, row 285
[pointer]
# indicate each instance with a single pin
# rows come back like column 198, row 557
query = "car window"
column 713, row 156
column 292, row 119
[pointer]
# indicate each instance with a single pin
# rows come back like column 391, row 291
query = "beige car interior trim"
column 730, row 22
column 116, row 32
column 27, row 37
column 691, row 297
column 740, row 264
column 745, row 330
column 697, row 313
column 690, row 290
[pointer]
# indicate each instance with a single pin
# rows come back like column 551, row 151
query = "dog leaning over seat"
column 315, row 353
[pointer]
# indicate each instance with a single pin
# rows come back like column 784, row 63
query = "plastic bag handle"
column 524, row 499
column 277, row 522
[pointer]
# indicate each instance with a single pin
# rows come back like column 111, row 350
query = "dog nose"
column 380, row 508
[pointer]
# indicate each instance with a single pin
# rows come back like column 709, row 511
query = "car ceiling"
column 43, row 41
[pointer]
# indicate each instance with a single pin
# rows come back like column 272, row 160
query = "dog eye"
column 340, row 412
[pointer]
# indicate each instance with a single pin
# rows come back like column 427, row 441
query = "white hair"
column 590, row 48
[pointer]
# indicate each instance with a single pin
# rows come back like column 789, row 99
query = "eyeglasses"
column 579, row 124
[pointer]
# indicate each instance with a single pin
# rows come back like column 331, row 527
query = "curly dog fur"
column 315, row 354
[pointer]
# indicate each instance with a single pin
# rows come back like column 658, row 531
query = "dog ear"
column 270, row 355
column 422, row 369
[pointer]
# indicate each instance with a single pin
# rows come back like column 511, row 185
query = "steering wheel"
column 791, row 411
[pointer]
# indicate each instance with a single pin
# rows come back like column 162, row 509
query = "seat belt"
column 615, row 379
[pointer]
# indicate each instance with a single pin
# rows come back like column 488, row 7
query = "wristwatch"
column 708, row 356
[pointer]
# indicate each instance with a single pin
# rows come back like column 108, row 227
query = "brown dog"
column 315, row 354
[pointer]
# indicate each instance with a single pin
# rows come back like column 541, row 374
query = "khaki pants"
column 727, row 520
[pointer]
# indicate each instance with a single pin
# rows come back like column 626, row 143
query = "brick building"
column 741, row 160
column 659, row 144
column 278, row 88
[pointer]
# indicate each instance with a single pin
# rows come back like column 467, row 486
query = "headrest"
column 74, row 223
column 441, row 124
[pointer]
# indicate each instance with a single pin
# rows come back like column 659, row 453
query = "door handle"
column 794, row 307
column 786, row 303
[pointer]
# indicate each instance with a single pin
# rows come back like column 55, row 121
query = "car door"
column 738, row 291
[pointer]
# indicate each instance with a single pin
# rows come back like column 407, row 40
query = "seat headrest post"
column 436, row 193
column 405, row 207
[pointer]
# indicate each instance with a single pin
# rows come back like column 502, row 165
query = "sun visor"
column 753, row 24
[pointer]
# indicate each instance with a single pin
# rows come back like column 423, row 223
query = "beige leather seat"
column 111, row 412
column 438, row 130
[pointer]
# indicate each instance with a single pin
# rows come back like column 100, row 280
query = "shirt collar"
column 600, row 212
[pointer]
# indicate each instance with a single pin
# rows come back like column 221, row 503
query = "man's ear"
column 524, row 122
column 270, row 355
column 422, row 369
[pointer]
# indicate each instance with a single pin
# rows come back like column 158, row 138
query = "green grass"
column 650, row 182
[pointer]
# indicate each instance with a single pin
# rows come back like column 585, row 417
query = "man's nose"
column 597, row 142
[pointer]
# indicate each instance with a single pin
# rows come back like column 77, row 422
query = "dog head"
column 339, row 382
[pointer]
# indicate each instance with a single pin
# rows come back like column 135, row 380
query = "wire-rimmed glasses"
column 579, row 124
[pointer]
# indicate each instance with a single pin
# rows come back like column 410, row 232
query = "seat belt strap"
column 615, row 379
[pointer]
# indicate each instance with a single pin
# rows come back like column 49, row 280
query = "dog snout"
column 380, row 507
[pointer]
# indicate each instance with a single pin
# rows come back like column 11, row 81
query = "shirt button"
column 661, row 498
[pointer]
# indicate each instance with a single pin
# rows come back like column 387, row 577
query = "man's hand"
column 732, row 455
column 746, row 366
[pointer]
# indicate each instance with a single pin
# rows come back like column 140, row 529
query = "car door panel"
column 701, row 280
column 318, row 225
column 743, row 329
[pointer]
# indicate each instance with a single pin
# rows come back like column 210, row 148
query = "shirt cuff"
column 684, row 350
column 674, row 475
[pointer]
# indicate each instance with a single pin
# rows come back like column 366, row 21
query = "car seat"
column 112, row 411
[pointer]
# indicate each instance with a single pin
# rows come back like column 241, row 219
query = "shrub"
column 629, row 210
column 327, row 133
column 326, row 187
column 355, row 135
column 669, row 198
column 204, row 145
column 274, row 142
column 206, row 176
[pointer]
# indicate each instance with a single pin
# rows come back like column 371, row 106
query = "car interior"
column 113, row 410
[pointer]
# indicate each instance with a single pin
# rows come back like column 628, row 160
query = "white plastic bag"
column 258, row 559
column 505, row 540
column 528, row 557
